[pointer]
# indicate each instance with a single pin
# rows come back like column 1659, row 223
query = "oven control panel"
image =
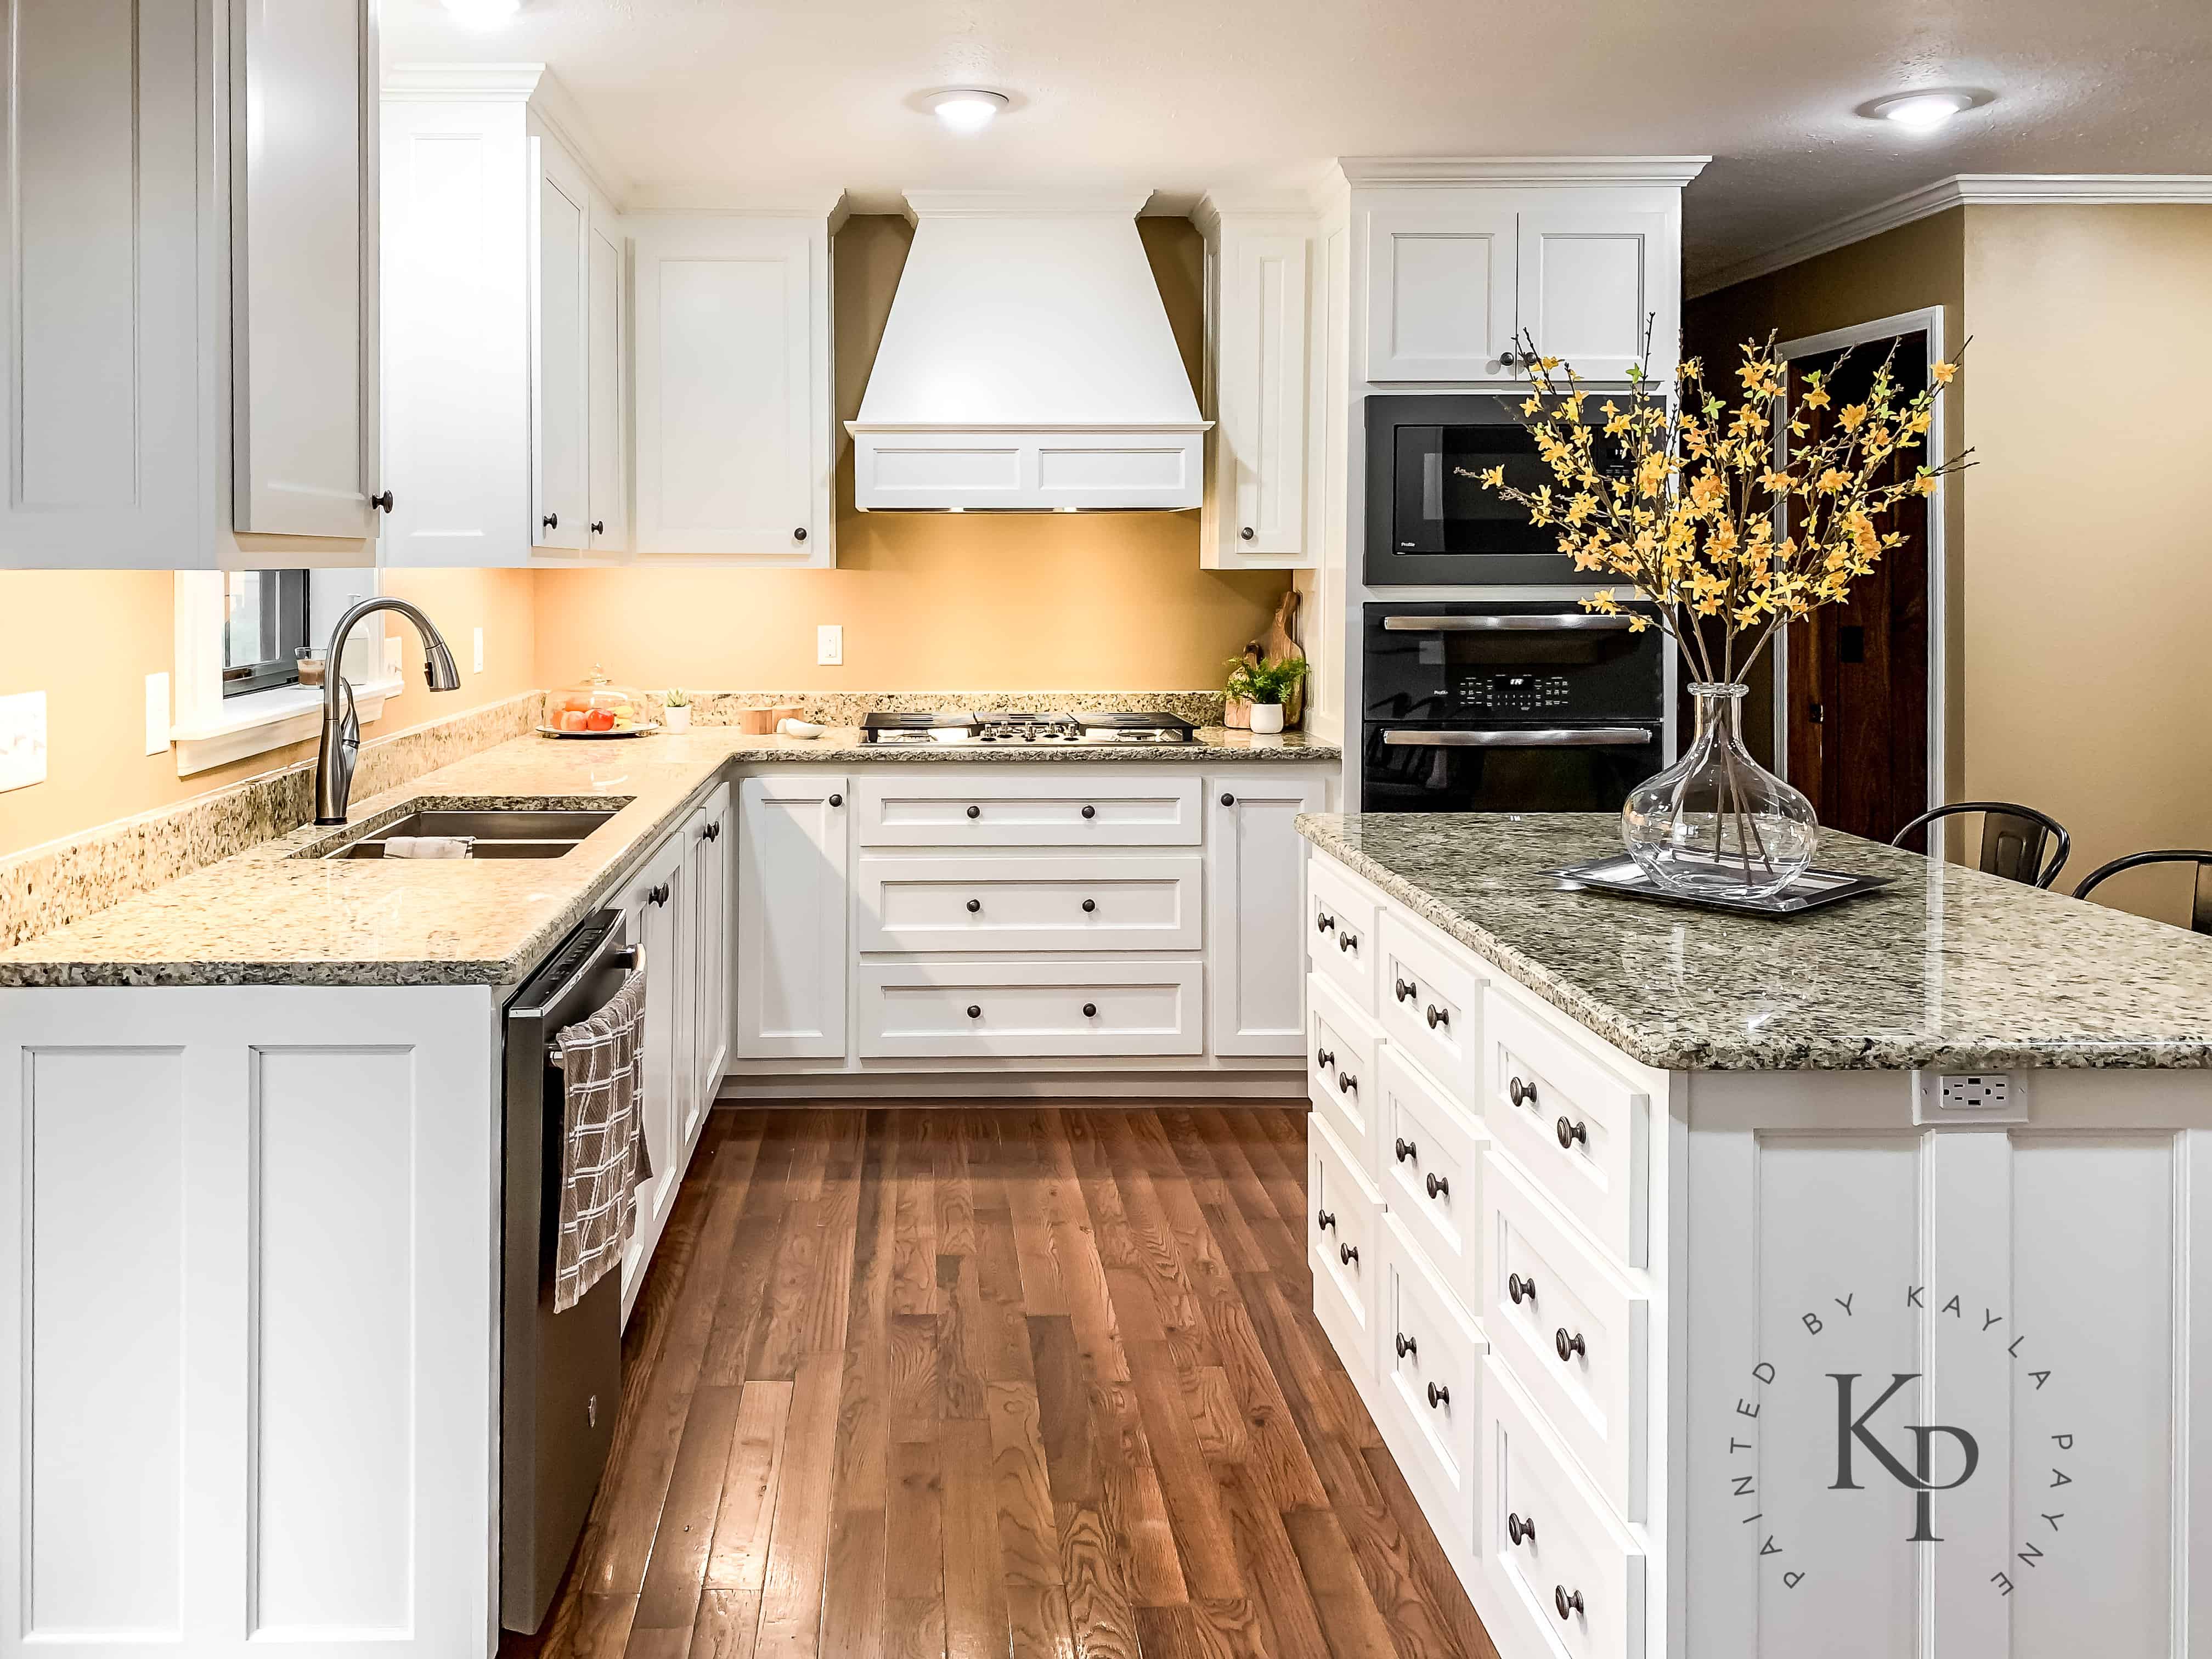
column 1513, row 693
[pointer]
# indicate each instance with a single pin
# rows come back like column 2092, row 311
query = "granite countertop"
column 1948, row 968
column 265, row 917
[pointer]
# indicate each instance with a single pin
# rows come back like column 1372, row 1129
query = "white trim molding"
column 1443, row 172
column 1965, row 189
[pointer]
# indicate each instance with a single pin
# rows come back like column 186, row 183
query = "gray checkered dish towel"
column 602, row 1153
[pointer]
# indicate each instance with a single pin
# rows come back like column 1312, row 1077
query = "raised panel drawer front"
column 1139, row 902
column 1430, row 1154
column 1581, row 1130
column 1340, row 917
column 1074, row 807
column 1344, row 1219
column 1431, row 1003
column 1341, row 1080
column 969, row 1010
column 1570, row 1331
column 1429, row 1363
column 1565, row 1564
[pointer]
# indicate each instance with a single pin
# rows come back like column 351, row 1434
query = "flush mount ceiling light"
column 966, row 109
column 1923, row 111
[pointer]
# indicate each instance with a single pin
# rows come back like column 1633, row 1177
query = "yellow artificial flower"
column 1941, row 374
column 1853, row 417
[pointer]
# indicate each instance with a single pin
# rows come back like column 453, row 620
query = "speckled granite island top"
column 1948, row 968
column 267, row 917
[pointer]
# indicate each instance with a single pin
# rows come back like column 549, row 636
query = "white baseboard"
column 1273, row 1085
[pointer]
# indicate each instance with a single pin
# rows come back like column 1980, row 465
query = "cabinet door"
column 731, row 383
column 711, row 843
column 1440, row 294
column 791, row 917
column 1261, row 370
column 303, row 271
column 1591, row 279
column 657, row 901
column 1255, row 965
column 99, row 281
column 606, row 344
column 561, row 496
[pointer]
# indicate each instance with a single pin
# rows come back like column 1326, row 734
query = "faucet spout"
column 341, row 740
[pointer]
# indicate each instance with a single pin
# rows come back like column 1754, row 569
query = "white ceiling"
column 701, row 102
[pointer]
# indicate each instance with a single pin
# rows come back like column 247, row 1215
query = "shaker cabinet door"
column 561, row 497
column 1256, row 963
column 1591, row 281
column 792, row 966
column 607, row 347
column 1440, row 294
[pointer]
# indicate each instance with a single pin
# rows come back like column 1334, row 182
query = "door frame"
column 1928, row 321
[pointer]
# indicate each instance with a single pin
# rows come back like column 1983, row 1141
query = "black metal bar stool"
column 2200, row 899
column 2012, row 839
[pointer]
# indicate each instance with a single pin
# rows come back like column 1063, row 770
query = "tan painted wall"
column 1099, row 601
column 88, row 640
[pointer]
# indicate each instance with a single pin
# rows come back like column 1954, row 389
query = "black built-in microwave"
column 1429, row 518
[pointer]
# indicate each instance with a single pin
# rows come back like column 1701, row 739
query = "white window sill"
column 264, row 720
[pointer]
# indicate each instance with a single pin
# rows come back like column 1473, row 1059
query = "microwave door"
column 1419, row 525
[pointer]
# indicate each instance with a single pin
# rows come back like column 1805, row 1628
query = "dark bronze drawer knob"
column 800, row 534
column 1324, row 1058
column 975, row 1010
column 1519, row 1093
column 1229, row 801
column 1438, row 1396
column 1324, row 1218
column 1347, row 1084
column 1571, row 1132
column 1569, row 1346
column 657, row 895
column 975, row 811
column 1090, row 1011
column 1569, row 1602
column 1347, row 942
column 1519, row 1288
column 1347, row 1253
column 837, row 800
column 1406, row 1344
column 1404, row 1148
column 1518, row 1530
column 1437, row 1017
column 1090, row 811
column 1089, row 905
column 1404, row 990
column 1438, row 1187
column 1324, row 921
column 975, row 905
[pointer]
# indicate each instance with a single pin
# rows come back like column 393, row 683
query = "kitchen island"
column 1729, row 1287
column 262, row 1121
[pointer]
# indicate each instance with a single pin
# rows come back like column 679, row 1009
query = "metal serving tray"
column 1619, row 873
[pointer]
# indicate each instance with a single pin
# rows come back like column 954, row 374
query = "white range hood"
column 1027, row 366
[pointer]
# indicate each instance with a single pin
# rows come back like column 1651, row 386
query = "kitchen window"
column 265, row 628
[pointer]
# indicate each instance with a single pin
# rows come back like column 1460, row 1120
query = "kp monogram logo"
column 1853, row 1431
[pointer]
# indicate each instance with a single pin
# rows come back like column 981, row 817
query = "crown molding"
column 1214, row 206
column 1438, row 172
column 487, row 82
column 1025, row 204
column 1964, row 189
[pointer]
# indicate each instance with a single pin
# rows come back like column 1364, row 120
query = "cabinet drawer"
column 1581, row 1130
column 966, row 1009
column 1430, row 1000
column 1572, row 1333
column 1341, row 921
column 1428, row 1358
column 1076, row 805
column 946, row 903
column 1340, row 1049
column 1429, row 1152
column 1562, row 1560
column 1343, row 1219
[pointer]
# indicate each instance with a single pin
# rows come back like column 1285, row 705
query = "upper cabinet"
column 1463, row 259
column 734, row 406
column 1268, row 304
column 189, row 259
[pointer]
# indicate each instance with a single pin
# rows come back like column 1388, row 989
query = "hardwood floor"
column 1010, row 1381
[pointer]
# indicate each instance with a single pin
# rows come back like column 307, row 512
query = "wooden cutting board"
column 1282, row 643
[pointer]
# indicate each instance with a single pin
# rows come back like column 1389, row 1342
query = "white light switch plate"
column 479, row 667
column 22, row 740
column 157, row 713
column 829, row 644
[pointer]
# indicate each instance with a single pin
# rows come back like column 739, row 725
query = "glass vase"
column 1717, row 824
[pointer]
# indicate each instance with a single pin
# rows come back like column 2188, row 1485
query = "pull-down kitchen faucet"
column 342, row 731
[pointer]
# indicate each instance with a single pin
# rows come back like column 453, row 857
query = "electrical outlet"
column 479, row 668
column 157, row 713
column 829, row 645
column 1969, row 1098
column 22, row 740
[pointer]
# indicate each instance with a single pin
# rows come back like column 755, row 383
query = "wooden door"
column 1856, row 729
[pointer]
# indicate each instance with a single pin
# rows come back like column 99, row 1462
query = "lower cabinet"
column 968, row 1009
column 1255, row 953
column 658, row 904
column 1344, row 1222
column 1429, row 1363
column 792, row 968
column 709, row 845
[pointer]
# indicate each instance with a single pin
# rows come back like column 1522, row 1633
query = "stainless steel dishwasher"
column 561, row 1374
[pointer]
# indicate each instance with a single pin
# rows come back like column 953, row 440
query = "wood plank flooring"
column 1007, row 1381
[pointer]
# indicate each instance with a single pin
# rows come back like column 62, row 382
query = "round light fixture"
column 967, row 109
column 1921, row 112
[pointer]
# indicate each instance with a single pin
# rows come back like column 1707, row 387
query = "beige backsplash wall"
column 89, row 639
column 930, row 601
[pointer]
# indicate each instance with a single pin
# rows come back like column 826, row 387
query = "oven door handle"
column 630, row 956
column 1561, row 736
column 1550, row 623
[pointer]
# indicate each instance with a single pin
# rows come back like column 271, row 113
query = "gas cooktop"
column 1052, row 728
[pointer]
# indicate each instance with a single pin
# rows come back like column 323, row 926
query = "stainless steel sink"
column 494, row 832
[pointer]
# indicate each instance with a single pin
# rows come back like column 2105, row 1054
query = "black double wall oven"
column 1508, row 705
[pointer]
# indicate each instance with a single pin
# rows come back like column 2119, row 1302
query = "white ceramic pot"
column 677, row 719
column 1267, row 717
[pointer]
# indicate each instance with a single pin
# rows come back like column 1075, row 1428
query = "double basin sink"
column 547, row 830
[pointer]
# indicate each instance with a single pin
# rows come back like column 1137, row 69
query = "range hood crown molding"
column 1024, row 203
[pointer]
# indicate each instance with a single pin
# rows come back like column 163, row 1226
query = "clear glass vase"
column 1717, row 822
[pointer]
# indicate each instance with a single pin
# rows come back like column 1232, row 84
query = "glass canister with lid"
column 597, row 707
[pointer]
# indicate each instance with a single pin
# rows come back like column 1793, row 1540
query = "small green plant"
column 1265, row 682
column 678, row 697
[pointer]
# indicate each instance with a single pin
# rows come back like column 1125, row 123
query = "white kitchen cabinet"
column 658, row 902
column 710, row 842
column 1591, row 279
column 1267, row 299
column 1441, row 293
column 504, row 445
column 791, row 964
column 194, row 356
column 1255, row 962
column 734, row 459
